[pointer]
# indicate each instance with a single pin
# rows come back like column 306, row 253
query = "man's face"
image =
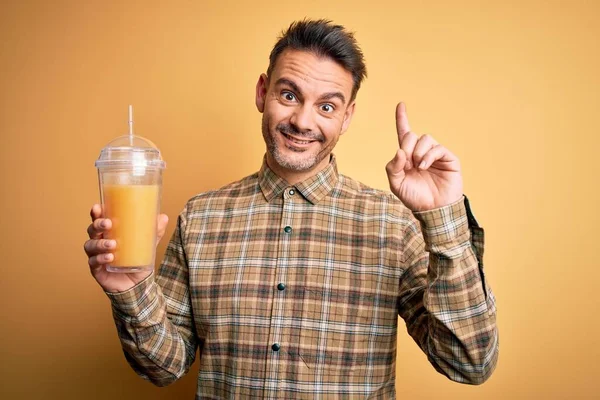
column 306, row 107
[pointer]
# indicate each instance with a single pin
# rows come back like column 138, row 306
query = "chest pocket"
column 338, row 311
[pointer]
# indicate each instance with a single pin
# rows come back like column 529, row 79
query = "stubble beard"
column 305, row 162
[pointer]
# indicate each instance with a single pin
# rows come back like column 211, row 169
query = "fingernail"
column 108, row 257
column 110, row 244
column 422, row 165
column 104, row 224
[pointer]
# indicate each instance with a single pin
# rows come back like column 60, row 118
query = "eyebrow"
column 326, row 96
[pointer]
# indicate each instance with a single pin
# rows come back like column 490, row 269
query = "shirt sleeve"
column 444, row 298
column 154, row 318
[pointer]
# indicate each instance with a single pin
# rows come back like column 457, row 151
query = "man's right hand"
column 99, row 251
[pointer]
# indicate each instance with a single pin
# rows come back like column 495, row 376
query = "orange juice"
column 133, row 210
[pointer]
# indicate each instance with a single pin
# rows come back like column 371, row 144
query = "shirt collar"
column 314, row 189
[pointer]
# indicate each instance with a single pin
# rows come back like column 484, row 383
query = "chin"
column 295, row 161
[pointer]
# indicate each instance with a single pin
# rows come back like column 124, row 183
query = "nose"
column 302, row 118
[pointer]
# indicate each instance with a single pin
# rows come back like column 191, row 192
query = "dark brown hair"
column 324, row 39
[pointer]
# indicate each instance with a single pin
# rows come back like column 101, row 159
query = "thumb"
column 395, row 168
column 161, row 227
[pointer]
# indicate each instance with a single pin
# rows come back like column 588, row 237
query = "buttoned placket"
column 278, row 343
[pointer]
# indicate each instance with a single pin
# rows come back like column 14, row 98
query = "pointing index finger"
column 402, row 126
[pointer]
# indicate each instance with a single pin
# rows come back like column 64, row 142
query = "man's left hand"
column 424, row 174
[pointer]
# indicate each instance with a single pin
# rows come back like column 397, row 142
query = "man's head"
column 307, row 96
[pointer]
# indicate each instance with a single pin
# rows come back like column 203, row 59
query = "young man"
column 290, row 281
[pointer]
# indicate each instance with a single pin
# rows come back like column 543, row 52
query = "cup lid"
column 133, row 151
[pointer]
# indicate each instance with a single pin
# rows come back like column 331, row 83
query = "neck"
column 293, row 177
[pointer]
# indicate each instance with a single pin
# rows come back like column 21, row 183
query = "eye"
column 288, row 96
column 327, row 108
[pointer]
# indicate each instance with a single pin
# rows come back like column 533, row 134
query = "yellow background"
column 512, row 88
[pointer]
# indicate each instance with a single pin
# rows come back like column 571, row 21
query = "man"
column 290, row 281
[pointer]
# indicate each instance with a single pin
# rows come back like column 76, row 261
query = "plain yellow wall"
column 513, row 88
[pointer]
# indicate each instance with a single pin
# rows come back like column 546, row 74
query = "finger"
column 100, row 259
column 99, row 227
column 395, row 168
column 163, row 220
column 424, row 144
column 402, row 125
column 409, row 141
column 96, row 212
column 442, row 157
column 94, row 247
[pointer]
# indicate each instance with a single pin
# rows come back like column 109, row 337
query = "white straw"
column 130, row 125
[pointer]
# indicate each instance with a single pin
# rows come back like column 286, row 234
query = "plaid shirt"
column 295, row 291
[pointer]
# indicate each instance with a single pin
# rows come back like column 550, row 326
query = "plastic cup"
column 130, row 177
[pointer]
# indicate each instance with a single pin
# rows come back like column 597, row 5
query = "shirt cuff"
column 446, row 229
column 136, row 303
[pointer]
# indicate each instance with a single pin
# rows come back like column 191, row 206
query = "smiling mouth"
column 296, row 140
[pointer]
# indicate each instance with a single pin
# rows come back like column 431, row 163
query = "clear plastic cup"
column 130, row 177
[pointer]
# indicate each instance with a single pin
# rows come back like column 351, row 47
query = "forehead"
column 311, row 73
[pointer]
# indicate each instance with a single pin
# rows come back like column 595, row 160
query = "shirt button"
column 276, row 347
column 287, row 229
column 281, row 286
column 292, row 192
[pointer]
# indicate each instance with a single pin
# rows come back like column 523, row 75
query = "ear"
column 261, row 92
column 347, row 117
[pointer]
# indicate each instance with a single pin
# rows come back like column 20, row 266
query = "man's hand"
column 99, row 251
column 424, row 175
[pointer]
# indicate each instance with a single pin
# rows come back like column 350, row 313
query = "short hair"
column 324, row 39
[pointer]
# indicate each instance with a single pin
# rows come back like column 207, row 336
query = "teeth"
column 297, row 141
